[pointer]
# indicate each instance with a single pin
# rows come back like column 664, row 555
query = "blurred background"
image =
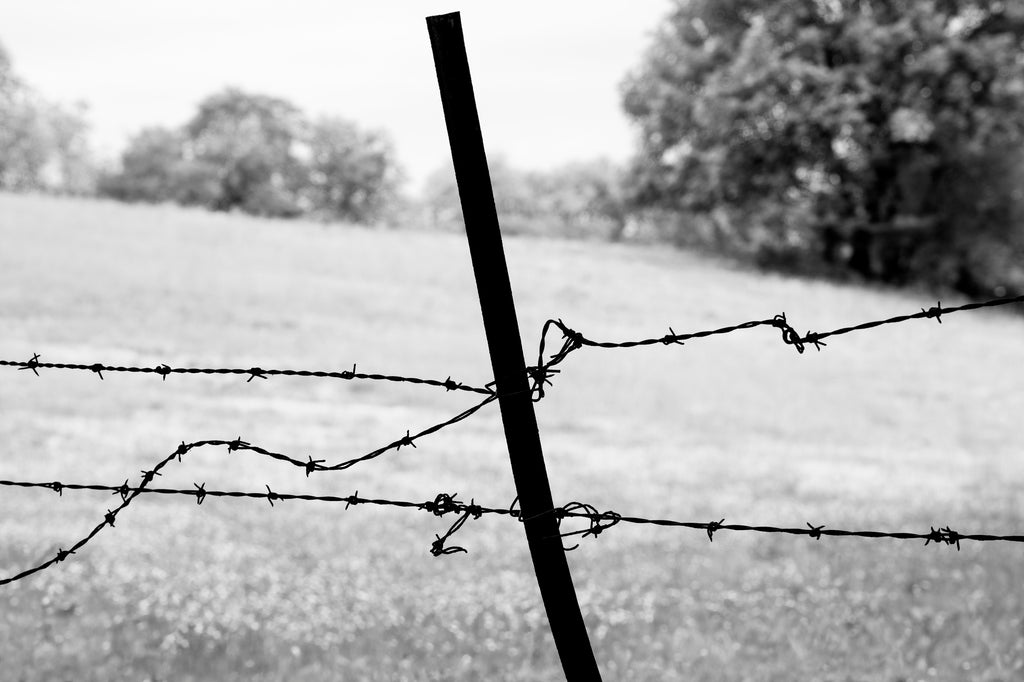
column 842, row 139
column 247, row 184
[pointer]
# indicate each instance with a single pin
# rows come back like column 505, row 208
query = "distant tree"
column 517, row 198
column 152, row 168
column 517, row 195
column 251, row 142
column 863, row 131
column 581, row 199
column 73, row 167
column 259, row 155
column 440, row 198
column 24, row 145
column 588, row 198
column 352, row 174
column 43, row 146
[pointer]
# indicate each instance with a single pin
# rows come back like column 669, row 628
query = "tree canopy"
column 351, row 173
column 883, row 137
column 260, row 155
column 42, row 144
column 249, row 143
column 581, row 199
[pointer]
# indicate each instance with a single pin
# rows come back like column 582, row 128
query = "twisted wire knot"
column 935, row 312
column 311, row 465
column 540, row 375
column 789, row 335
column 123, row 490
column 573, row 339
column 407, row 439
column 443, row 504
column 593, row 516
column 945, row 535
column 714, row 527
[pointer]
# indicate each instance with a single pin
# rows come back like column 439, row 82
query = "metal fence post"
column 506, row 349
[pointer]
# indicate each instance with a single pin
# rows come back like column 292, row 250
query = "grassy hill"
column 901, row 428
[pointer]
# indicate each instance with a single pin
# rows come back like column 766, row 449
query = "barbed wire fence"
column 507, row 362
column 540, row 376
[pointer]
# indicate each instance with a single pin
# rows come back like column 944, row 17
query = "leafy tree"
column 251, row 143
column 588, row 198
column 73, row 169
column 863, row 131
column 259, row 154
column 152, row 169
column 42, row 145
column 351, row 174
column 24, row 148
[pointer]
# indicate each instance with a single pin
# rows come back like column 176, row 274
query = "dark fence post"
column 506, row 349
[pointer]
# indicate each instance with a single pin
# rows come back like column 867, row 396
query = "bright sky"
column 546, row 74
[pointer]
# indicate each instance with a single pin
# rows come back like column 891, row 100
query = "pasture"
column 900, row 428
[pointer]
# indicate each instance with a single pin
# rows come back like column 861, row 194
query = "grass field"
column 900, row 428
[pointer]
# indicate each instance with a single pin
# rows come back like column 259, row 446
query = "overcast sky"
column 546, row 74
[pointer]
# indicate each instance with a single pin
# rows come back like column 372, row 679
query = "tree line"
column 870, row 137
column 260, row 155
column 43, row 144
column 242, row 151
column 849, row 138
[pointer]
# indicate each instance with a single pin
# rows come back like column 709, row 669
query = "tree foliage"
column 247, row 145
column 43, row 145
column 581, row 199
column 153, row 168
column 351, row 173
column 260, row 155
column 880, row 136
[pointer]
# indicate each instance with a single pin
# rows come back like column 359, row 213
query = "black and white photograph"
column 577, row 341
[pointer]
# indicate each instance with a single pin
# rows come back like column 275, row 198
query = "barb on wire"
column 573, row 340
column 599, row 522
column 164, row 370
column 32, row 364
column 934, row 313
column 407, row 439
column 311, row 465
column 445, row 503
column 128, row 493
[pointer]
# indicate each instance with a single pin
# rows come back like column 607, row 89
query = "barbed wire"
column 35, row 364
column 539, row 375
column 445, row 503
column 310, row 465
column 572, row 340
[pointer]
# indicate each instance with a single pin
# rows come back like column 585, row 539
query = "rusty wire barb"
column 251, row 373
column 573, row 340
column 444, row 504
